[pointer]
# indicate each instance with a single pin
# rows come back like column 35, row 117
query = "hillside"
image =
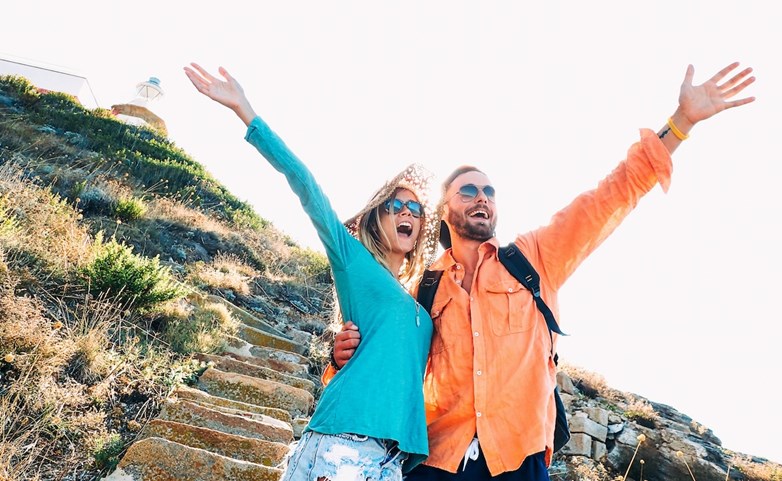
column 144, row 309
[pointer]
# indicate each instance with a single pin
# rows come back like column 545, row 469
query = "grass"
column 640, row 411
column 592, row 384
column 143, row 153
column 201, row 329
column 89, row 348
column 756, row 469
column 38, row 224
column 225, row 272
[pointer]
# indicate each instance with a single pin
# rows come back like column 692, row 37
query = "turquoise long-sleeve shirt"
column 379, row 393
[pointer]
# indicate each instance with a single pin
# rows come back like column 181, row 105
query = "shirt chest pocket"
column 510, row 308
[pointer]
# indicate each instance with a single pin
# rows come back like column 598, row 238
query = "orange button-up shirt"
column 490, row 368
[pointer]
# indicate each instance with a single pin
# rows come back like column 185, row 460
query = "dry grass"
column 31, row 144
column 755, row 470
column 199, row 329
column 63, row 382
column 100, row 194
column 169, row 210
column 226, row 271
column 264, row 251
column 42, row 409
column 641, row 411
column 583, row 469
column 39, row 229
column 590, row 383
column 40, row 225
column 29, row 344
column 20, row 441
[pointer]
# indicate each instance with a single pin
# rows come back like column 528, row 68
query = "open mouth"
column 479, row 213
column 405, row 229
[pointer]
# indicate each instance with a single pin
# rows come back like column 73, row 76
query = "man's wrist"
column 333, row 360
column 681, row 122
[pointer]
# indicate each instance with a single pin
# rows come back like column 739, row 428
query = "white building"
column 53, row 79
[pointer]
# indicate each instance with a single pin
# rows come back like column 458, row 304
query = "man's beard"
column 466, row 230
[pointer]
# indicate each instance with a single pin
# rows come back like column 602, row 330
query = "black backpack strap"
column 427, row 288
column 518, row 265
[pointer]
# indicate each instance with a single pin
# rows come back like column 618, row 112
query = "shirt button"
column 475, row 333
column 458, row 282
column 478, row 414
column 470, row 298
column 479, row 373
column 510, row 289
column 458, row 267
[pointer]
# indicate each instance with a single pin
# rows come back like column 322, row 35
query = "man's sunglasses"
column 415, row 208
column 470, row 191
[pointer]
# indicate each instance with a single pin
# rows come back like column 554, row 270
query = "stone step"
column 240, row 314
column 259, row 338
column 201, row 397
column 229, row 364
column 286, row 367
column 238, row 412
column 247, row 317
column 245, row 348
column 187, row 412
column 256, row 451
column 252, row 390
column 158, row 459
column 298, row 425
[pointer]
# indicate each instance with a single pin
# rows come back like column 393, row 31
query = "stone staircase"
column 238, row 422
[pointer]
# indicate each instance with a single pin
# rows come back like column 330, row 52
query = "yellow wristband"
column 678, row 133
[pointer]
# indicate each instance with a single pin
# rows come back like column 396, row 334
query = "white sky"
column 678, row 305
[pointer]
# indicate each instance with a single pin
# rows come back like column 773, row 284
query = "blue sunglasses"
column 415, row 208
column 468, row 192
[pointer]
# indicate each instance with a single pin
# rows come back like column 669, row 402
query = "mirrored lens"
column 470, row 191
column 415, row 208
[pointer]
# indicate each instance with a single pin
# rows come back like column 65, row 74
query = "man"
column 491, row 375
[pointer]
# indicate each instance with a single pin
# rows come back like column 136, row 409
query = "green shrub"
column 130, row 209
column 133, row 280
column 19, row 87
column 313, row 263
column 107, row 451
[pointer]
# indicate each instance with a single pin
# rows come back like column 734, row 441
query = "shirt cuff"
column 659, row 157
column 256, row 124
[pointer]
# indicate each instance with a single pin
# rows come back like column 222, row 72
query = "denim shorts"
column 344, row 457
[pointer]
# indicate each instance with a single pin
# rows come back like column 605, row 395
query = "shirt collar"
column 446, row 261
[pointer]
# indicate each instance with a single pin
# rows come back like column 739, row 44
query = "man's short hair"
column 456, row 173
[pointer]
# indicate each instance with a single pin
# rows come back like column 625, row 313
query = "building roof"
column 50, row 78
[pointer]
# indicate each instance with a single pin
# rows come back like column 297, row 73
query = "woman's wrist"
column 245, row 112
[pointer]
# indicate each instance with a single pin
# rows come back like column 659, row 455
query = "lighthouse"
column 137, row 111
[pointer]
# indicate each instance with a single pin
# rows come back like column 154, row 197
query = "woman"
column 371, row 256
